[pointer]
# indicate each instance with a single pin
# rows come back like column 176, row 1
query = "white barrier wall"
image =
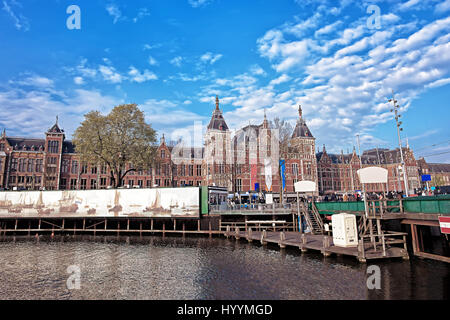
column 163, row 202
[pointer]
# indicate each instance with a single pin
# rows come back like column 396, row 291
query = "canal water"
column 200, row 268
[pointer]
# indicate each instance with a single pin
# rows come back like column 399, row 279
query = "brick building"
column 248, row 161
column 338, row 172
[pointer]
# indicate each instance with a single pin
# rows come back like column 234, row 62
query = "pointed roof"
column 217, row 121
column 55, row 128
column 301, row 129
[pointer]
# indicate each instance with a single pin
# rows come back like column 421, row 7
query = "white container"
column 345, row 232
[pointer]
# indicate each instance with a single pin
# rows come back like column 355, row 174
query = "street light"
column 399, row 129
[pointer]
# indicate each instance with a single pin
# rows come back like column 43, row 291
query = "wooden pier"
column 321, row 243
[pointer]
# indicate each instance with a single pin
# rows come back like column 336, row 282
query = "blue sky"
column 171, row 57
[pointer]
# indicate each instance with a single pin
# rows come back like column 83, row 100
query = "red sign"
column 445, row 224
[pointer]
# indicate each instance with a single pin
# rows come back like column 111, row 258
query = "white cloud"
column 78, row 80
column 114, row 11
column 110, row 74
column 210, row 58
column 20, row 22
column 177, row 61
column 199, row 3
column 143, row 12
column 257, row 70
column 139, row 77
column 152, row 61
column 280, row 79
column 443, row 6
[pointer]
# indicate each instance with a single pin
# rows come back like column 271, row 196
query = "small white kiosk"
column 345, row 232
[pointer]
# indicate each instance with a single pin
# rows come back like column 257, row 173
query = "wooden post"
column 29, row 228
column 237, row 235
column 198, row 225
column 84, row 224
column 184, row 228
column 95, row 229
column 227, row 232
column 249, row 235
column 105, row 223
column 210, row 229
column 282, row 239
column 151, row 224
column 140, row 229
column 74, row 228
column 164, row 228
column 263, row 237
column 174, row 224
column 361, row 255
column 15, row 227
column 118, row 228
column 39, row 227
column 384, row 244
column 128, row 224
column 63, row 223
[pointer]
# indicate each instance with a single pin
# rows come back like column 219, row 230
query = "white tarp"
column 268, row 173
column 269, row 198
column 373, row 175
column 159, row 202
column 305, row 186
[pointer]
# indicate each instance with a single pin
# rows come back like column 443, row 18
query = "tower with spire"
column 218, row 158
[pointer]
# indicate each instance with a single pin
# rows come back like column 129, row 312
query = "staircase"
column 312, row 217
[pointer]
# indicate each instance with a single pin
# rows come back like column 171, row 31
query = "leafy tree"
column 122, row 140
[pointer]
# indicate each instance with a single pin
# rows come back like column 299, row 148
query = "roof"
column 301, row 130
column 26, row 144
column 55, row 129
column 439, row 167
column 217, row 121
column 68, row 147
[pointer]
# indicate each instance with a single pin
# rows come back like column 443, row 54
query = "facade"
column 439, row 172
column 338, row 172
column 248, row 161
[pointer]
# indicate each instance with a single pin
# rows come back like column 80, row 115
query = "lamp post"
column 362, row 184
column 399, row 123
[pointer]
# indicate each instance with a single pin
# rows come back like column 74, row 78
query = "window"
column 140, row 183
column 295, row 169
column 30, row 166
column 183, row 170
column 84, row 169
column 2, row 147
column 158, row 182
column 21, row 165
column 53, row 146
column 191, row 170
column 38, row 180
column 51, row 160
column 182, row 183
column 175, row 184
column 199, row 170
column 163, row 154
column 174, row 170
column 238, row 185
column 39, row 163
column 20, row 179
column 158, row 170
column 131, row 183
column 83, row 184
column 63, row 184
column 102, row 182
column 93, row 184
column 14, row 165
column 74, row 166
column 65, row 166
column 199, row 183
column 149, row 183
column 104, row 169
column 73, row 184
column 94, row 170
column 12, row 179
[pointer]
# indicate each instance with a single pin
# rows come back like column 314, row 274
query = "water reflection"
column 201, row 268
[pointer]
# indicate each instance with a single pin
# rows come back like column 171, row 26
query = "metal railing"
column 249, row 207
